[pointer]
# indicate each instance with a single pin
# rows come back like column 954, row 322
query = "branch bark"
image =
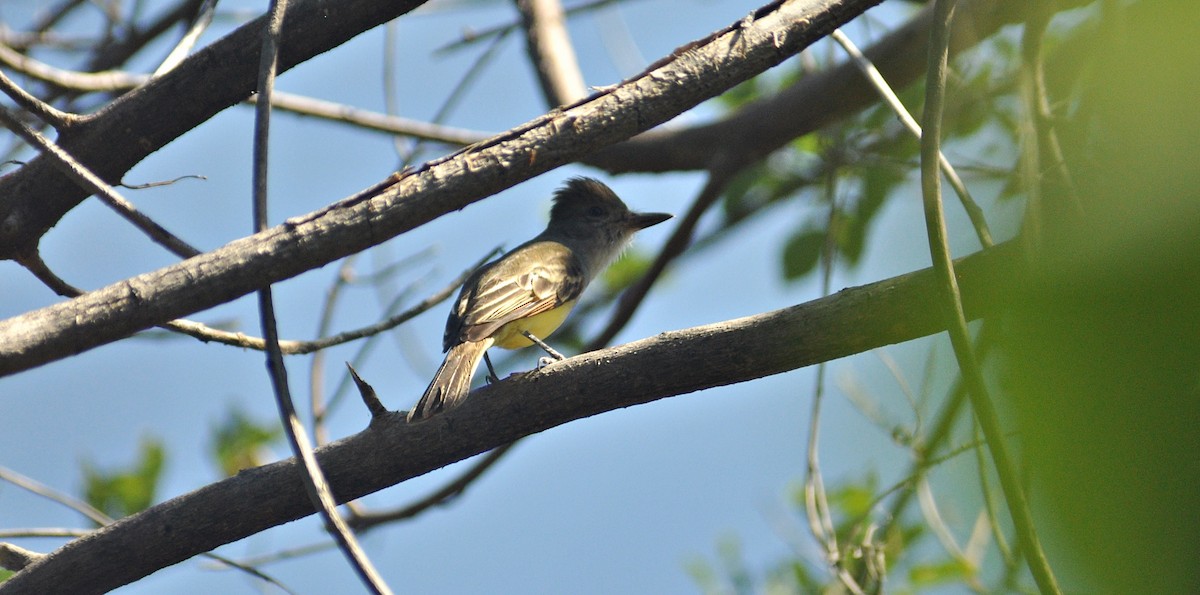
column 551, row 52
column 116, row 138
column 112, row 141
column 413, row 198
column 815, row 101
column 391, row 451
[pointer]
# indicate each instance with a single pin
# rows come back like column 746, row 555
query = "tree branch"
column 814, row 102
column 551, row 52
column 405, row 201
column 391, row 451
column 120, row 135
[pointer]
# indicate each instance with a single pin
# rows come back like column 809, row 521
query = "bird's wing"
column 524, row 283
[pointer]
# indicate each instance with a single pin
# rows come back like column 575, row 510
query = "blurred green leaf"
column 928, row 575
column 239, row 442
column 853, row 500
column 124, row 492
column 803, row 578
column 802, row 252
column 1102, row 342
column 741, row 94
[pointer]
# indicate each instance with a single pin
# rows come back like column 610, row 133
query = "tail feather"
column 452, row 382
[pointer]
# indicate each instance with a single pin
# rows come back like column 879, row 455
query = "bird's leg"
column 545, row 361
column 491, row 375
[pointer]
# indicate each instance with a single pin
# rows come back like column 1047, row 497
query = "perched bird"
column 531, row 289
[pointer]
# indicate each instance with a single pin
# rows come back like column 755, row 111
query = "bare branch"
column 315, row 483
column 817, row 100
column 45, row 112
column 402, row 202
column 390, row 451
column 76, row 171
column 974, row 212
column 140, row 122
column 551, row 51
column 17, row 558
column 439, row 497
column 184, row 47
column 307, row 106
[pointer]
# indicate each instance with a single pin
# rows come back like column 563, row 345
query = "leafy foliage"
column 239, row 442
column 123, row 492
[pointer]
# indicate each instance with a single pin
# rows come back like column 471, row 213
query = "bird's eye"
column 596, row 211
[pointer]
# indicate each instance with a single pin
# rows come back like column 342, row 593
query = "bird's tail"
column 453, row 380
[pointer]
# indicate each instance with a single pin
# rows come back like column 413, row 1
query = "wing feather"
column 532, row 279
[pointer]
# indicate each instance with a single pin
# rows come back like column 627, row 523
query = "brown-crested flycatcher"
column 531, row 289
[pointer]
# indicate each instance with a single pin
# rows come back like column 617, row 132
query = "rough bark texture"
column 35, row 197
column 304, row 243
column 391, row 450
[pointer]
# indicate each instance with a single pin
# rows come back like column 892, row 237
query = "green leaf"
column 802, row 253
column 239, row 442
column 120, row 493
column 878, row 181
column 939, row 573
column 741, row 94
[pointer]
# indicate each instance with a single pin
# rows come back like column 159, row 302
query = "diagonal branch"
column 405, row 201
column 33, row 198
column 391, row 451
column 814, row 102
column 124, row 132
column 551, row 52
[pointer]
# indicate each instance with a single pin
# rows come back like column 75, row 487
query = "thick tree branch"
column 814, row 102
column 414, row 198
column 391, row 451
column 116, row 138
column 34, row 198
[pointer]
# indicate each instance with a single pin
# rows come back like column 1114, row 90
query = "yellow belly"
column 541, row 325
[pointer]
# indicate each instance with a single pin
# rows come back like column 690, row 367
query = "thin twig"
column 989, row 503
column 314, row 479
column 974, row 212
column 57, row 119
column 54, row 14
column 816, row 502
column 36, row 487
column 360, row 356
column 76, row 171
column 99, row 517
column 112, row 80
column 933, row 519
column 1041, row 142
column 289, row 102
column 203, row 19
column 443, row 495
column 960, row 339
column 288, row 554
column 456, row 94
column 207, row 334
column 316, row 364
column 43, row 532
column 369, row 120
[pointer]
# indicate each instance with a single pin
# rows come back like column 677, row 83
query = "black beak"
column 644, row 220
